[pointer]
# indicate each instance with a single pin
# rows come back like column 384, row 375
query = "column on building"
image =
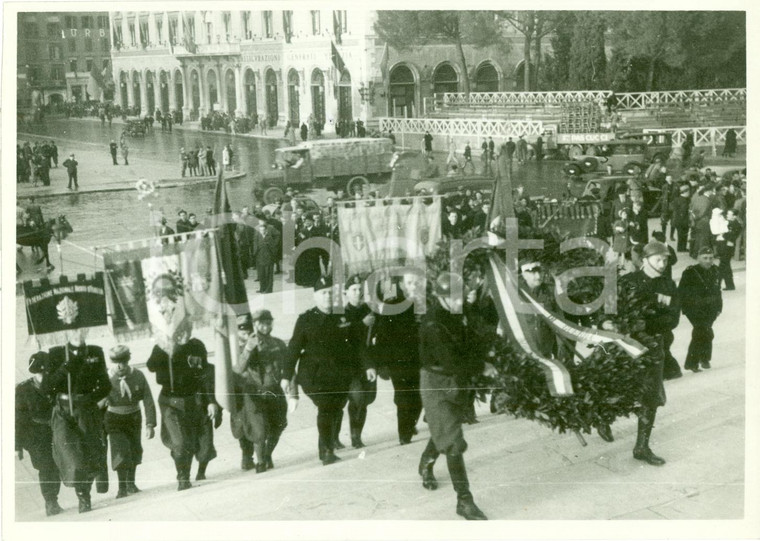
column 138, row 36
column 125, row 30
column 237, row 25
column 167, row 31
column 205, row 107
column 187, row 96
column 172, row 73
column 221, row 86
column 152, row 28
column 157, row 89
column 261, row 94
column 331, row 102
column 257, row 24
column 200, row 33
column 130, row 89
column 144, row 93
column 242, row 106
column 181, row 27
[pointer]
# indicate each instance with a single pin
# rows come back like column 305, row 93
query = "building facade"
column 63, row 57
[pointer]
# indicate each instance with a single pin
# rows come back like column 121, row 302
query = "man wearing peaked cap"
column 318, row 347
column 262, row 407
column 702, row 300
column 363, row 388
column 123, row 418
column 33, row 432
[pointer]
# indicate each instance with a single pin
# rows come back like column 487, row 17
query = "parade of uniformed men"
column 189, row 411
column 261, row 407
column 77, row 379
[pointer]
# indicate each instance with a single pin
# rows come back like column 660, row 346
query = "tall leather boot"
column 425, row 469
column 337, row 424
column 641, row 450
column 357, row 415
column 183, row 474
column 272, row 441
column 101, row 480
column 332, row 426
column 201, row 475
column 121, row 473
column 261, row 464
column 83, row 494
column 465, row 504
column 131, row 486
column 246, row 448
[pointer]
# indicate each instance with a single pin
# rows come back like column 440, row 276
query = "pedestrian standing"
column 522, row 150
column 183, row 161
column 34, row 409
column 71, row 168
column 54, row 153
column 539, row 148
column 318, row 346
column 265, row 254
column 447, row 362
column 699, row 290
column 226, row 158
column 123, row 419
column 726, row 249
column 263, row 124
column 485, row 158
column 468, row 157
column 262, row 412
column 680, row 216
column 77, row 380
column 114, row 149
column 491, row 149
column 304, row 131
column 187, row 403
column 510, row 148
column 210, row 161
column 428, row 141
column 124, row 148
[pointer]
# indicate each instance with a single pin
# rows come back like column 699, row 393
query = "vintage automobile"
column 628, row 156
column 327, row 163
column 658, row 144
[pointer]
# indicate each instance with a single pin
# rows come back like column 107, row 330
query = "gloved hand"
column 149, row 432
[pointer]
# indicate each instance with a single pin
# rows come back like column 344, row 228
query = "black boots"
column 605, row 432
column 183, row 475
column 328, row 423
column 272, row 442
column 52, row 508
column 246, row 463
column 101, row 481
column 642, row 451
column 131, row 486
column 121, row 473
column 425, row 469
column 201, row 475
column 337, row 422
column 357, row 416
column 465, row 504
column 83, row 494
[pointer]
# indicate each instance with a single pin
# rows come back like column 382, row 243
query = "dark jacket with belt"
column 700, row 294
column 89, row 376
column 444, row 346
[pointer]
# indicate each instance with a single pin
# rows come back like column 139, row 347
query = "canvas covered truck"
column 345, row 164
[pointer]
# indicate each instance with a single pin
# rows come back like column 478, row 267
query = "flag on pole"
column 336, row 58
column 233, row 300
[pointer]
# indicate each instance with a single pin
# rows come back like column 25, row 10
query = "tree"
column 534, row 26
column 555, row 72
column 587, row 62
column 651, row 35
column 403, row 30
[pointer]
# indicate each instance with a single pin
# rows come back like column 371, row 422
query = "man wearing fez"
column 189, row 411
column 448, row 364
column 123, row 418
column 261, row 416
column 647, row 309
column 77, row 379
column 324, row 363
column 702, row 303
column 33, row 433
column 363, row 389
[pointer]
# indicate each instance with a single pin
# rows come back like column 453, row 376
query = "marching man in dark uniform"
column 123, row 418
column 448, row 364
column 187, row 403
column 262, row 412
column 33, row 433
column 699, row 289
column 646, row 309
column 396, row 352
column 363, row 389
column 78, row 382
column 324, row 363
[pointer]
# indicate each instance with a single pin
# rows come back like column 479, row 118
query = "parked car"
column 658, row 144
column 628, row 156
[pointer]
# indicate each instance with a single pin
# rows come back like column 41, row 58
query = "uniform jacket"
column 261, row 368
column 700, row 294
column 191, row 370
column 444, row 344
column 87, row 366
column 139, row 389
column 33, row 409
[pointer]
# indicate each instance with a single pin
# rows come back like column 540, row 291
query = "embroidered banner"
column 388, row 233
column 53, row 309
column 162, row 287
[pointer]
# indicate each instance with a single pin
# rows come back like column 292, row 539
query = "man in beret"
column 123, row 418
column 77, row 379
column 448, row 364
column 363, row 389
column 646, row 314
column 318, row 347
column 261, row 415
column 702, row 303
column 187, row 403
column 33, row 433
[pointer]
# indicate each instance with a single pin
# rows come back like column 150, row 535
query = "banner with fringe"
column 162, row 287
column 52, row 309
column 388, row 233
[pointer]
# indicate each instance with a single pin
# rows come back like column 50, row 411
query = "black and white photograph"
column 345, row 271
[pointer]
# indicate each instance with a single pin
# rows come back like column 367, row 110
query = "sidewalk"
column 96, row 172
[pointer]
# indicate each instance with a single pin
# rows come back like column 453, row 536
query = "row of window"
column 57, row 71
column 31, row 30
column 55, row 50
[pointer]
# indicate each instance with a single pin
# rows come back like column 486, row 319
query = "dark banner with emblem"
column 64, row 306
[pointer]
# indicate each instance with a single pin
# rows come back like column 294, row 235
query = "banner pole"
column 68, row 381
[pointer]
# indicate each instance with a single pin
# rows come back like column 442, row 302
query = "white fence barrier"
column 706, row 137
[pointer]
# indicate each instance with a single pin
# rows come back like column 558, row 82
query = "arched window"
column 294, row 98
column 403, row 88
column 318, row 95
column 486, row 78
column 445, row 79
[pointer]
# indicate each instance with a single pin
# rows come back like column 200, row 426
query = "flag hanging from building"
column 233, row 299
column 157, row 287
column 52, row 309
column 380, row 236
column 336, row 59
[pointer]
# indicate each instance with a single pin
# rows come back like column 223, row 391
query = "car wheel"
column 574, row 151
column 633, row 169
column 590, row 164
column 355, row 183
column 272, row 195
column 573, row 169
